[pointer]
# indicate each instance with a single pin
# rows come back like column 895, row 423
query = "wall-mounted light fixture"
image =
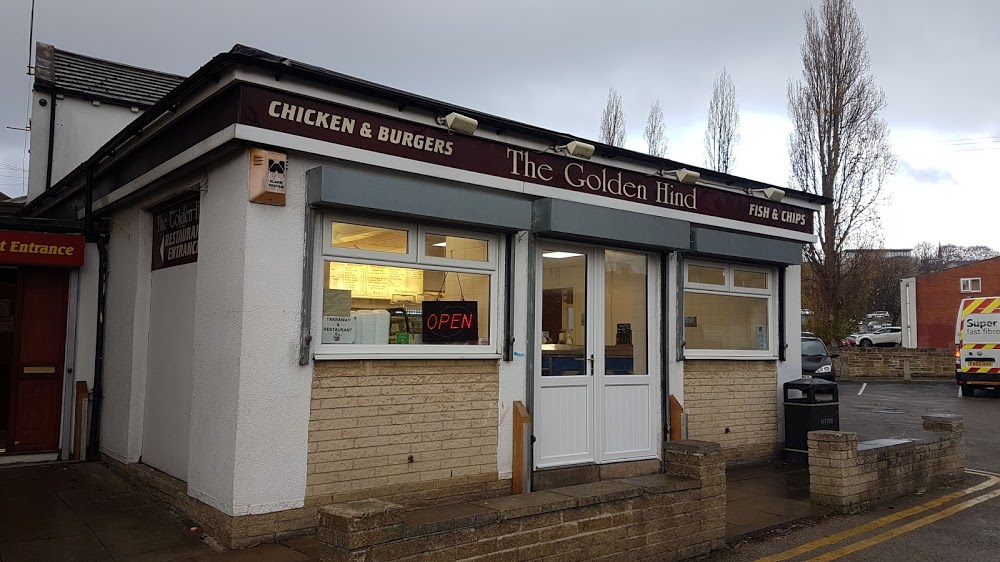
column 577, row 149
column 773, row 193
column 683, row 175
column 459, row 123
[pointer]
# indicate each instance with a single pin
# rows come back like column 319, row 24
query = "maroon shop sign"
column 175, row 233
column 305, row 117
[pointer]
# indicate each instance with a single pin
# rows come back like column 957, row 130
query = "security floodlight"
column 683, row 175
column 459, row 123
column 577, row 149
column 773, row 193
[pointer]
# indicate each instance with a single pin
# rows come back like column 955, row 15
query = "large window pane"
column 716, row 321
column 625, row 308
column 372, row 238
column 706, row 275
column 456, row 247
column 375, row 304
column 563, row 311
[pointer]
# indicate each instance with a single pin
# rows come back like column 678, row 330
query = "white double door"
column 597, row 365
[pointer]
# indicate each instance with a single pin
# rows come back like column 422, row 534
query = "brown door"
column 36, row 383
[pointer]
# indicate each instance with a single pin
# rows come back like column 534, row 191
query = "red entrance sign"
column 41, row 248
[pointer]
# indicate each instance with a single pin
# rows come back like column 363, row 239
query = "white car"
column 890, row 336
column 879, row 314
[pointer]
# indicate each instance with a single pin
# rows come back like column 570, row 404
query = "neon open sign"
column 450, row 321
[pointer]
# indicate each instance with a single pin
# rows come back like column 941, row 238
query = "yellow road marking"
column 893, row 533
column 889, row 519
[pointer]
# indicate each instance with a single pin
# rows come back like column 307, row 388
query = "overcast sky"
column 551, row 64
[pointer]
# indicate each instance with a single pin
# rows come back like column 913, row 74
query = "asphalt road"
column 894, row 410
column 962, row 529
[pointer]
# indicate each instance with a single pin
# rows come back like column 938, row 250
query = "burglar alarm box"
column 267, row 177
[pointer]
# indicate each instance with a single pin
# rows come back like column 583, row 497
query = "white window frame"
column 415, row 258
column 770, row 294
column 966, row 284
column 411, row 236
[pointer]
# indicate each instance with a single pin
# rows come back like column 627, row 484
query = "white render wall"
column 514, row 374
column 81, row 128
column 274, row 390
column 126, row 330
column 217, row 334
column 167, row 417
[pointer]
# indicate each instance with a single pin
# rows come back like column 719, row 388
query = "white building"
column 322, row 289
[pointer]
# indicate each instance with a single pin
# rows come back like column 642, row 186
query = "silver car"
column 889, row 336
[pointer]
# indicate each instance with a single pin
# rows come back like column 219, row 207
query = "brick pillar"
column 833, row 467
column 951, row 461
column 347, row 530
column 702, row 460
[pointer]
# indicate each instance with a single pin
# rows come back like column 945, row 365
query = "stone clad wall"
column 416, row 431
column 893, row 363
column 851, row 476
column 665, row 517
column 735, row 404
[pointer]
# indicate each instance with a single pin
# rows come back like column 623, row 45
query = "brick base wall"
column 656, row 517
column 859, row 363
column 851, row 476
column 417, row 432
column 735, row 404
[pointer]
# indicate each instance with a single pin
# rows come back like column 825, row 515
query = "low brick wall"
column 850, row 476
column 671, row 516
column 859, row 363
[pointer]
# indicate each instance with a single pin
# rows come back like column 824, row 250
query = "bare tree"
column 722, row 132
column 839, row 148
column 656, row 131
column 613, row 120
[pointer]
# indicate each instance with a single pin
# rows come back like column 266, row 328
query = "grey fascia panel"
column 593, row 223
column 370, row 190
column 745, row 246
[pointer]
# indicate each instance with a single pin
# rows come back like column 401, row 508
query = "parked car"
column 808, row 335
column 816, row 360
column 850, row 340
column 890, row 336
column 879, row 314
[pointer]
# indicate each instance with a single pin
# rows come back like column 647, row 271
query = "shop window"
column 626, row 340
column 367, row 238
column 735, row 318
column 383, row 296
column 972, row 285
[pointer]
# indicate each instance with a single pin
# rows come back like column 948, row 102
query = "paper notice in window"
column 336, row 302
column 338, row 329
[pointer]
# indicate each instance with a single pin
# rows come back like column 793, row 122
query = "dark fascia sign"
column 175, row 233
column 450, row 321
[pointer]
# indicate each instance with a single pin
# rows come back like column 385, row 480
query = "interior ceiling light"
column 560, row 255
column 440, row 244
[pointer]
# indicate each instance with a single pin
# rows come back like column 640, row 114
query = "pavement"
column 955, row 522
column 85, row 512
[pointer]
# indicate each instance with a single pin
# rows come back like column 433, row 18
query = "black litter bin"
column 816, row 406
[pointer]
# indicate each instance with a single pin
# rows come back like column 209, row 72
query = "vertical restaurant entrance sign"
column 41, row 248
column 175, row 233
column 306, row 117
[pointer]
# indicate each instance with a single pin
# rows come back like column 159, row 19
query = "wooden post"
column 81, row 400
column 521, row 481
column 675, row 419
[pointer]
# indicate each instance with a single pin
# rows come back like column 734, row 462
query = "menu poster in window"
column 450, row 321
column 375, row 281
column 336, row 302
column 624, row 334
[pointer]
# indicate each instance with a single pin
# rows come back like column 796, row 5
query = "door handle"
column 591, row 360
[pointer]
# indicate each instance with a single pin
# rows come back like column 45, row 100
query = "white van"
column 977, row 345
